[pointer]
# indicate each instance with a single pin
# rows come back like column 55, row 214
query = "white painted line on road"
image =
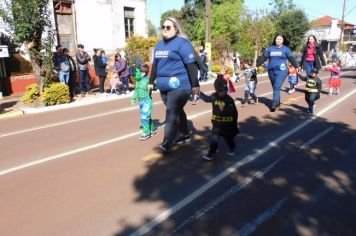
column 108, row 113
column 240, row 186
column 62, row 155
column 167, row 213
column 313, row 140
column 229, row 193
column 250, row 227
column 73, row 121
column 80, row 119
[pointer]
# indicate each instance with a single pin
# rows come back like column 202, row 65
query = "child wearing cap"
column 224, row 118
column 312, row 89
column 143, row 94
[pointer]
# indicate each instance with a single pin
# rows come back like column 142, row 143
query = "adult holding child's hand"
column 312, row 56
column 278, row 54
column 175, row 73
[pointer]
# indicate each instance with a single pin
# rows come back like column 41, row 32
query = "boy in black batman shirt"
column 312, row 89
column 224, row 118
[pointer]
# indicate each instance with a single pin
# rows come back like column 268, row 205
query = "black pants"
column 247, row 94
column 101, row 84
column 71, row 83
column 176, row 119
column 215, row 136
column 310, row 98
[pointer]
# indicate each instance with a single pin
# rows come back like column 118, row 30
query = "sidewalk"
column 12, row 106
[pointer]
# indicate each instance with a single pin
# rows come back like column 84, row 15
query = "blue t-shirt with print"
column 170, row 57
column 278, row 57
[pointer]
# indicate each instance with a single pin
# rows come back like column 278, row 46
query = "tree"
column 152, row 30
column 294, row 24
column 280, row 6
column 29, row 23
column 257, row 32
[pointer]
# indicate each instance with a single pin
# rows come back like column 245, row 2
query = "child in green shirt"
column 143, row 95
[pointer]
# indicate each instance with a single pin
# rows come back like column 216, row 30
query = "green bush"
column 260, row 69
column 217, row 69
column 56, row 93
column 31, row 94
column 138, row 46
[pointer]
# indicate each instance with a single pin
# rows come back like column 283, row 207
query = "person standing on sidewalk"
column 278, row 54
column 99, row 67
column 123, row 70
column 83, row 59
column 72, row 71
column 61, row 65
column 175, row 72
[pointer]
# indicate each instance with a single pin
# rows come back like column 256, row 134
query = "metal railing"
column 349, row 38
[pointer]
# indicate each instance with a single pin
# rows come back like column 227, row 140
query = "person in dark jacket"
column 72, row 71
column 202, row 60
column 99, row 67
column 312, row 55
column 312, row 89
column 123, row 69
column 224, row 118
column 83, row 59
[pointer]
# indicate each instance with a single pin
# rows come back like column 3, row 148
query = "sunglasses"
column 167, row 27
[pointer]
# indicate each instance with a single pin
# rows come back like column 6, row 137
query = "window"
column 129, row 21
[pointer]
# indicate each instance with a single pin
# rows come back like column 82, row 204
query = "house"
column 328, row 29
column 105, row 24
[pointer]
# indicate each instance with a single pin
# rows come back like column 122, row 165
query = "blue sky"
column 156, row 8
column 313, row 8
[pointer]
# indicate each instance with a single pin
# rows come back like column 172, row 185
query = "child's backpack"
column 292, row 76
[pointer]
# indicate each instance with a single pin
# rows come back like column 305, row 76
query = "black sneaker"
column 274, row 106
column 209, row 156
column 166, row 146
column 182, row 139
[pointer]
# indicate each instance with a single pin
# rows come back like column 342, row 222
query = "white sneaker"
column 291, row 91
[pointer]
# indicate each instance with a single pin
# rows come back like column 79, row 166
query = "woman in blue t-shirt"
column 174, row 71
column 278, row 54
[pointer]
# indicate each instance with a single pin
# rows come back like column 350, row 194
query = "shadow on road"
column 317, row 183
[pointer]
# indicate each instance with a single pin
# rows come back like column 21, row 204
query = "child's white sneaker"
column 290, row 91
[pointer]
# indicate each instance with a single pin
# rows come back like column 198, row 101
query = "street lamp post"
column 342, row 25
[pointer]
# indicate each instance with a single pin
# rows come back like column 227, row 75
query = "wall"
column 100, row 23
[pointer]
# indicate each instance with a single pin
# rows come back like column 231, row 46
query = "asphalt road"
column 83, row 171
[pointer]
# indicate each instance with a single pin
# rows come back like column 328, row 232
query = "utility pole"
column 208, row 21
column 342, row 25
column 208, row 30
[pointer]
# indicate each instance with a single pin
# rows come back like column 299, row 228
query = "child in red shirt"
column 334, row 81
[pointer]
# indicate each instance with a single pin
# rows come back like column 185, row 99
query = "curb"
column 11, row 114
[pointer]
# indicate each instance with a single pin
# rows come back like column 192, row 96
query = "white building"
column 103, row 24
column 327, row 30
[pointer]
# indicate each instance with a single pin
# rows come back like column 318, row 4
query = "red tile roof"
column 326, row 20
